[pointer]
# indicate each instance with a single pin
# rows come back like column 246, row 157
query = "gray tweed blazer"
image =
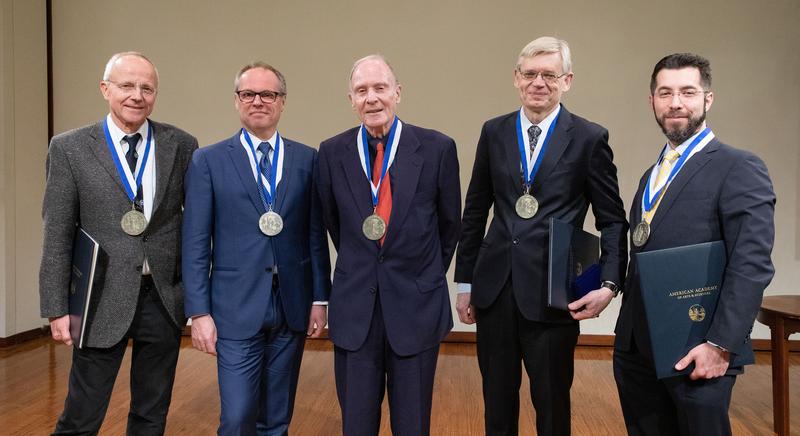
column 83, row 189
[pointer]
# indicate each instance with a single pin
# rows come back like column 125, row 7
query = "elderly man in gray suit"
column 121, row 180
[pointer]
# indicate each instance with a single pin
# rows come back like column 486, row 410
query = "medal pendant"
column 270, row 223
column 133, row 222
column 374, row 227
column 641, row 233
column 527, row 206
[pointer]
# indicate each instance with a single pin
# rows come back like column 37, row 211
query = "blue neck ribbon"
column 266, row 195
column 529, row 175
column 120, row 169
column 649, row 202
column 387, row 152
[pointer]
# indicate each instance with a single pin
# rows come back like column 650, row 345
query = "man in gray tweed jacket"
column 125, row 165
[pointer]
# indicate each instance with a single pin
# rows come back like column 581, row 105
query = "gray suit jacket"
column 83, row 189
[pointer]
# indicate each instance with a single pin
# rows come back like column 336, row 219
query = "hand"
column 317, row 320
column 709, row 362
column 466, row 311
column 591, row 304
column 59, row 329
column 204, row 334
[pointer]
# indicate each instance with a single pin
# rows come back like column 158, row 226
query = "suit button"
column 380, row 259
column 144, row 238
column 515, row 241
column 372, row 290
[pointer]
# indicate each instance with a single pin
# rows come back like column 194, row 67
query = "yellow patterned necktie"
column 663, row 172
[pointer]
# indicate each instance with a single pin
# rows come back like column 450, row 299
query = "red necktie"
column 384, row 208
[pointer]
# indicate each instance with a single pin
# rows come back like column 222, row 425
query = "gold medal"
column 527, row 206
column 133, row 222
column 374, row 227
column 640, row 233
column 270, row 223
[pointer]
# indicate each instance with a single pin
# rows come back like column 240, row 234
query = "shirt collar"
column 544, row 124
column 117, row 134
column 257, row 141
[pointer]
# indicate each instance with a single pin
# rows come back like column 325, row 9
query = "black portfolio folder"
column 680, row 289
column 85, row 252
column 574, row 264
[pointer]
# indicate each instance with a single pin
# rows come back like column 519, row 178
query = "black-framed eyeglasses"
column 547, row 76
column 248, row 96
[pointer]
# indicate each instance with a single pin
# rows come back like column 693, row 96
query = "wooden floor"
column 33, row 381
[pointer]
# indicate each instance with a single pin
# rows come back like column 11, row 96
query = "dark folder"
column 680, row 288
column 85, row 252
column 574, row 264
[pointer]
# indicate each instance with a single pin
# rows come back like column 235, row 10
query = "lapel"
column 562, row 135
column 241, row 162
column 288, row 166
column 690, row 168
column 99, row 148
column 356, row 179
column 508, row 136
column 406, row 169
column 165, row 150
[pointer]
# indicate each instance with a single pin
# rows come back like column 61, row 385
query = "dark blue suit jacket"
column 408, row 271
column 721, row 193
column 225, row 268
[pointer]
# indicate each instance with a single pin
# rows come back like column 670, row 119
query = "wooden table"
column 782, row 314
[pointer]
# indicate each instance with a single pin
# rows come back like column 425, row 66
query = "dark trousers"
column 364, row 374
column 506, row 340
column 258, row 377
column 672, row 406
column 156, row 342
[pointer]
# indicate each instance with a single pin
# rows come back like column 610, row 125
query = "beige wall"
column 23, row 147
column 455, row 60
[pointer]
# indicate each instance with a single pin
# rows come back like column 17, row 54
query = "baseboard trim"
column 25, row 336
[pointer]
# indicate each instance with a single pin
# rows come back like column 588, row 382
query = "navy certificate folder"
column 85, row 252
column 574, row 265
column 680, row 288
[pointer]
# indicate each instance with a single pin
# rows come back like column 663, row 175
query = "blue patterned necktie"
column 264, row 164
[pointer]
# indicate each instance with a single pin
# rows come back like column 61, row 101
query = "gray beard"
column 679, row 136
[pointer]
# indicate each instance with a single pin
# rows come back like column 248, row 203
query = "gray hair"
column 118, row 56
column 263, row 66
column 547, row 44
column 372, row 57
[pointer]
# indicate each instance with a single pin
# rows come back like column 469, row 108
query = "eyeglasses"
column 130, row 88
column 547, row 76
column 247, row 96
column 683, row 94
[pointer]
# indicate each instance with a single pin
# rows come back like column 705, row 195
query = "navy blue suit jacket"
column 721, row 193
column 225, row 269
column 577, row 170
column 408, row 271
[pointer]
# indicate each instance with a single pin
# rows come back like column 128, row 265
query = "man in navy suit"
column 543, row 157
column 710, row 191
column 391, row 202
column 255, row 257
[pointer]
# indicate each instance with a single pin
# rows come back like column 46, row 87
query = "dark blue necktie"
column 132, row 156
column 264, row 164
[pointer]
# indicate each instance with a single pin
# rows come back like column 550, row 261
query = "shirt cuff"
column 319, row 303
column 464, row 288
column 717, row 346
